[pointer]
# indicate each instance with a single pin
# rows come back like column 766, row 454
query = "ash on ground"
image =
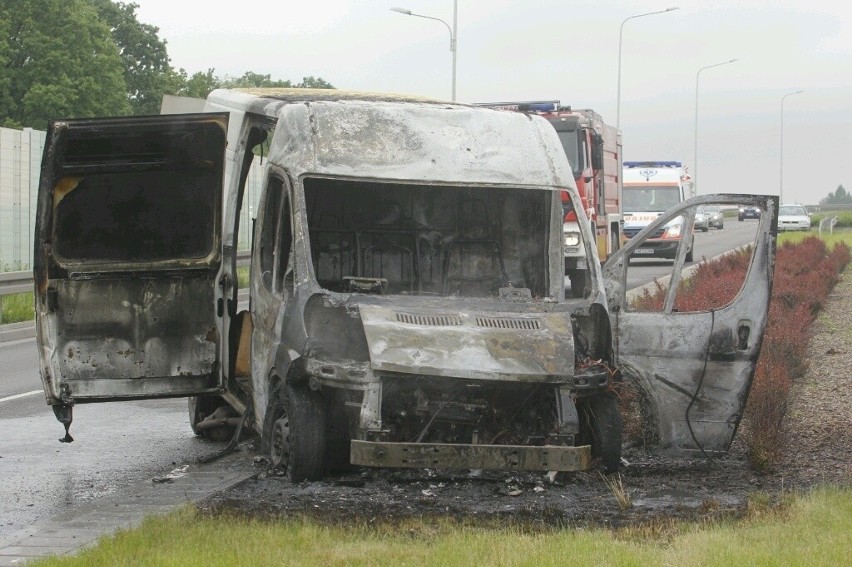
column 656, row 488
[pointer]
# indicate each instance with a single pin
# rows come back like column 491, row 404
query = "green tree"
column 839, row 197
column 251, row 80
column 200, row 84
column 57, row 59
column 314, row 83
column 147, row 69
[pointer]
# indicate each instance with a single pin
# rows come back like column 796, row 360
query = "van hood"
column 507, row 346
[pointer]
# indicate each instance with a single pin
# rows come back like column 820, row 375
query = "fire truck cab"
column 593, row 149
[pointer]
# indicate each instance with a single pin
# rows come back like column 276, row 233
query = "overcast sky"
column 568, row 50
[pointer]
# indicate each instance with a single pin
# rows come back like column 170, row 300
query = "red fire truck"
column 594, row 151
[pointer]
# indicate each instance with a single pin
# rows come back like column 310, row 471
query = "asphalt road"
column 707, row 245
column 115, row 445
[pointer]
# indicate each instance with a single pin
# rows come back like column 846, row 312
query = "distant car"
column 793, row 217
column 701, row 220
column 748, row 213
column 715, row 218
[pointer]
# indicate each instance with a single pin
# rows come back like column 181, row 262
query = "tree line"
column 840, row 197
column 83, row 58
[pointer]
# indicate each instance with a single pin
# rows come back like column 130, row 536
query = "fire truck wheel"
column 601, row 427
column 201, row 407
column 295, row 429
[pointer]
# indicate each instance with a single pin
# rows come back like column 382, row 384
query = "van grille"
column 508, row 323
column 429, row 320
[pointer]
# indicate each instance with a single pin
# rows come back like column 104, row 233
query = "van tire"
column 601, row 427
column 294, row 429
column 337, row 434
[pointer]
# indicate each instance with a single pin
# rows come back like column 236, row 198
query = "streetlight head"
column 733, row 60
column 672, row 9
column 401, row 11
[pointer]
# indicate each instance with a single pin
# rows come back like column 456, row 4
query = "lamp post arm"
column 695, row 133
column 449, row 29
column 781, row 160
column 452, row 30
column 620, row 36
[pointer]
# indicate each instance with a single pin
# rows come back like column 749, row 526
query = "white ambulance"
column 651, row 188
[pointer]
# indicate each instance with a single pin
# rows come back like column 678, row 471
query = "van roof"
column 250, row 99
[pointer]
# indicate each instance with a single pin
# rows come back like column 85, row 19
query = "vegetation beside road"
column 844, row 219
column 17, row 307
column 808, row 529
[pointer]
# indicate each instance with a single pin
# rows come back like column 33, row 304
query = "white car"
column 793, row 217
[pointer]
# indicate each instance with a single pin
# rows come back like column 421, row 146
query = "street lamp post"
column 620, row 33
column 453, row 33
column 695, row 154
column 781, row 166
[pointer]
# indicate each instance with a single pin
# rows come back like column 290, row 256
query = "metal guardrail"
column 22, row 282
column 15, row 282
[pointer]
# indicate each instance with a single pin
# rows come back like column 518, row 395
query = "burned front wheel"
column 294, row 432
column 601, row 427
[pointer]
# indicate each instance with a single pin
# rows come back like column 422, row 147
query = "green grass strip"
column 813, row 529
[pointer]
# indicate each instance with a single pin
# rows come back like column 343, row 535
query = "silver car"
column 715, row 218
column 701, row 220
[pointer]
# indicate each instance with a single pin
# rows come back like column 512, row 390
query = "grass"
column 17, row 307
column 809, row 529
column 844, row 218
column 831, row 240
column 615, row 484
column 243, row 277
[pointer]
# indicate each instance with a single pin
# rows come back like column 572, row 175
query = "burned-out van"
column 407, row 304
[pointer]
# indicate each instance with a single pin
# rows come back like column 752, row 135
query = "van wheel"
column 337, row 435
column 295, row 429
column 201, row 407
column 601, row 427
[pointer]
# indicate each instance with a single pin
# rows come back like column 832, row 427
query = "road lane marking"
column 16, row 396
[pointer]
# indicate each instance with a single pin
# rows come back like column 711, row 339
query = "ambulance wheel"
column 294, row 427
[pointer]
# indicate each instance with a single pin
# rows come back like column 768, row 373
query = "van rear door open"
column 127, row 253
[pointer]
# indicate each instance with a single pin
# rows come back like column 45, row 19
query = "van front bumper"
column 460, row 456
